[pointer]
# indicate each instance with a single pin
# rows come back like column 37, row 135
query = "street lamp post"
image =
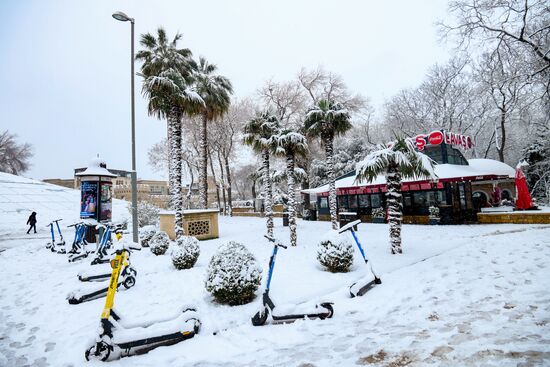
column 124, row 18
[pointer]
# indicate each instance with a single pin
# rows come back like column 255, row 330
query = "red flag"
column 523, row 200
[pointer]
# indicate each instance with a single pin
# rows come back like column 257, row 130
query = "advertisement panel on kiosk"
column 88, row 199
column 106, row 205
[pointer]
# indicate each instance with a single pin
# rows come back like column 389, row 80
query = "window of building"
column 323, row 203
column 343, row 202
column 434, row 152
column 352, row 201
column 376, row 201
column 364, row 201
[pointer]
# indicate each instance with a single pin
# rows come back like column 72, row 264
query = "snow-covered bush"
column 159, row 243
column 335, row 252
column 145, row 235
column 186, row 252
column 148, row 214
column 434, row 212
column 233, row 275
column 378, row 213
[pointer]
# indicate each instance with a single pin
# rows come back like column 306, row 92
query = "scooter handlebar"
column 275, row 241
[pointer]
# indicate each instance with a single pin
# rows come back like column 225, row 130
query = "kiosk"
column 96, row 188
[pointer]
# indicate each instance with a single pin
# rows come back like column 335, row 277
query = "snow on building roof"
column 477, row 168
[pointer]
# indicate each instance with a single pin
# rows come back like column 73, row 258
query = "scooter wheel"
column 100, row 351
column 260, row 317
column 330, row 310
column 129, row 282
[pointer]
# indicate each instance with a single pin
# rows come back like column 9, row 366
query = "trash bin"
column 285, row 219
column 348, row 217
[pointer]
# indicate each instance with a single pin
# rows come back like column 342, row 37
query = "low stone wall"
column 527, row 217
column 247, row 214
column 202, row 224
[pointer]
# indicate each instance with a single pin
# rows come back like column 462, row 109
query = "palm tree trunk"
column 229, row 198
column 174, row 174
column 203, row 182
column 214, row 177
column 395, row 207
column 291, row 198
column 268, row 193
column 223, row 183
column 328, row 142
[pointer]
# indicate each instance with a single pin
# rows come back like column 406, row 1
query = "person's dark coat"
column 32, row 219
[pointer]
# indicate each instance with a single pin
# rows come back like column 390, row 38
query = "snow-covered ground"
column 459, row 295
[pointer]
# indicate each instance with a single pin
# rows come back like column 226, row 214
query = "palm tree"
column 258, row 133
column 215, row 91
column 289, row 144
column 397, row 161
column 167, row 76
column 327, row 120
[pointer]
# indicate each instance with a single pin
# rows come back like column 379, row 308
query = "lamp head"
column 122, row 17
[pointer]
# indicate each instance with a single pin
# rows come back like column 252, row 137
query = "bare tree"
column 507, row 88
column 521, row 25
column 14, row 157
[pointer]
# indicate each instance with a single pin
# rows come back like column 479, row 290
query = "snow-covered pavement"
column 459, row 295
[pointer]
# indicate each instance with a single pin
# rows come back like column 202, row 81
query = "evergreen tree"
column 327, row 120
column 397, row 161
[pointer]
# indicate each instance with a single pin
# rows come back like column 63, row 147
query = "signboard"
column 439, row 137
column 106, row 203
column 88, row 199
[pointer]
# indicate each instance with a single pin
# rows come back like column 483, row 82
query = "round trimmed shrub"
column 335, row 252
column 145, row 235
column 233, row 275
column 159, row 243
column 186, row 252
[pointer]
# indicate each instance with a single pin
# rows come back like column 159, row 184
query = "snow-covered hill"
column 20, row 196
column 471, row 295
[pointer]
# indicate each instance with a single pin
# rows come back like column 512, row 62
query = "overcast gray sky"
column 64, row 65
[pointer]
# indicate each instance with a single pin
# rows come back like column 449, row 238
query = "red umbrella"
column 523, row 200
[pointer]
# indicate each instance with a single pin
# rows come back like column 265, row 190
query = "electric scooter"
column 324, row 311
column 361, row 287
column 79, row 249
column 103, row 274
column 105, row 243
column 118, row 339
column 56, row 246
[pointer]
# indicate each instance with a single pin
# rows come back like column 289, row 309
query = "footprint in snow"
column 49, row 347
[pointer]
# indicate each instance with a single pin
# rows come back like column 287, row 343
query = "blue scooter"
column 364, row 285
column 79, row 247
column 260, row 317
column 56, row 246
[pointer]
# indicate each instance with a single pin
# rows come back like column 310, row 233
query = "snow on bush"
column 148, row 214
column 186, row 253
column 233, row 275
column 145, row 235
column 335, row 252
column 159, row 243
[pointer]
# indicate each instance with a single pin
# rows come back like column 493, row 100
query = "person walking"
column 32, row 222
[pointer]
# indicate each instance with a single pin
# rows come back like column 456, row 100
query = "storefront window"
column 343, row 202
column 375, row 200
column 352, row 199
column 364, row 201
column 323, row 203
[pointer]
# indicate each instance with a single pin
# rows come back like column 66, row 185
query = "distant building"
column 155, row 192
column 65, row 182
